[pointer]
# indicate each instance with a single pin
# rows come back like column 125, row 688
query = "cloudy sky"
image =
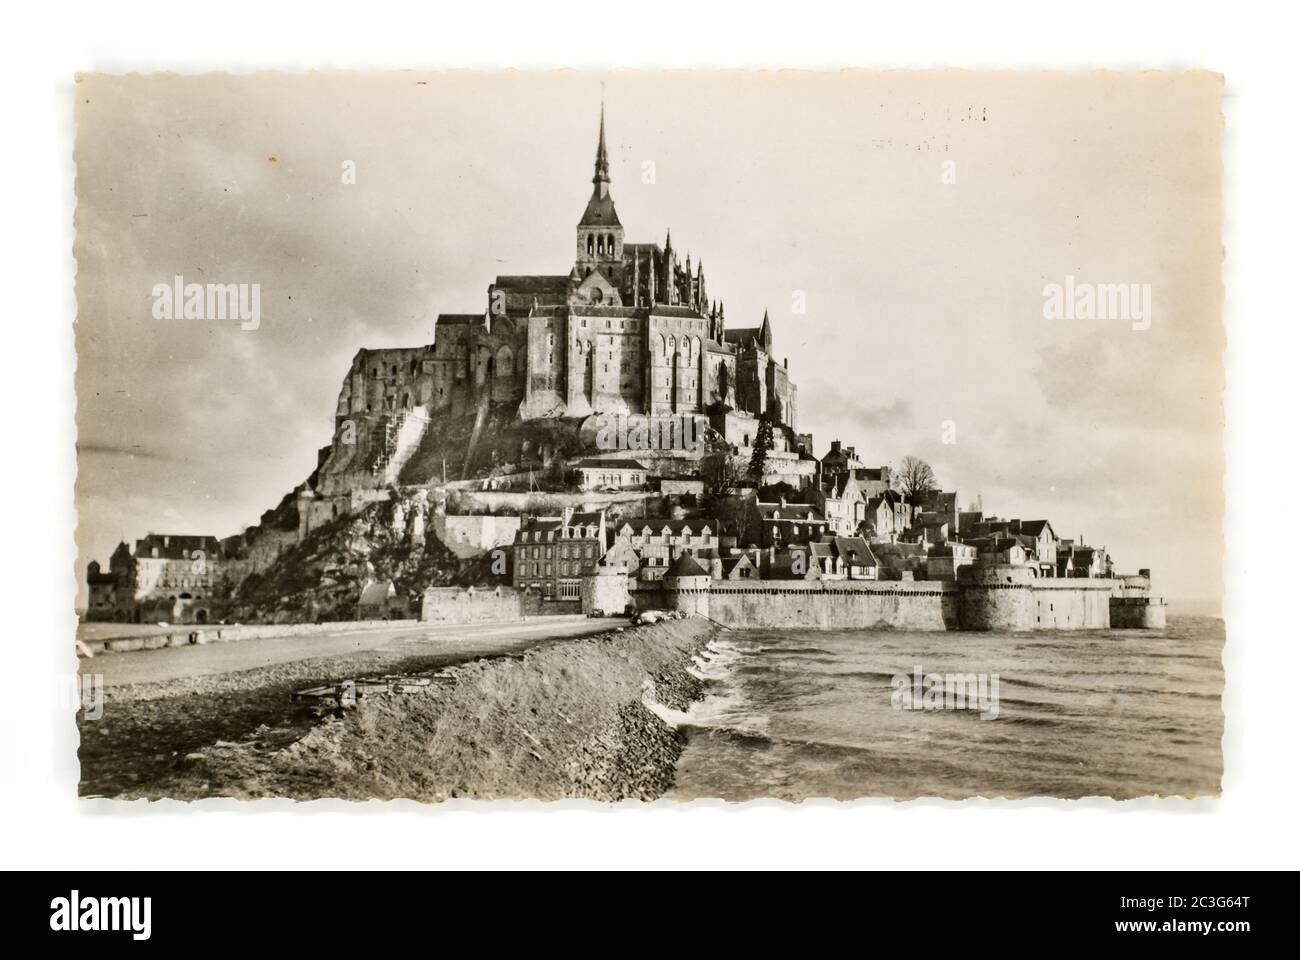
column 918, row 216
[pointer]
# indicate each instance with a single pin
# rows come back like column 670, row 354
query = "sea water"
column 1114, row 713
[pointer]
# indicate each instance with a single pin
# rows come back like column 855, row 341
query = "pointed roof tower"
column 765, row 334
column 600, row 208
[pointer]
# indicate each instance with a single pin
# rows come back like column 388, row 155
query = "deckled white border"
column 1251, row 825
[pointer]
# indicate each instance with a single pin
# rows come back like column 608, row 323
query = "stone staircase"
column 402, row 435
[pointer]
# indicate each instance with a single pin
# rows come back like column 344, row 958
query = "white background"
column 1252, row 825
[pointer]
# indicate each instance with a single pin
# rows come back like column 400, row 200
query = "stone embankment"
column 559, row 721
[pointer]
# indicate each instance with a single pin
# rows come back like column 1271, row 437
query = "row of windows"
column 567, row 551
column 613, row 479
column 664, row 346
column 565, row 568
column 599, row 244
column 794, row 530
column 616, row 323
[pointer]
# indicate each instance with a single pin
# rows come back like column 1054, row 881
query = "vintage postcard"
column 649, row 435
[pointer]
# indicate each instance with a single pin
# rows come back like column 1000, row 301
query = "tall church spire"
column 600, row 208
column 601, row 178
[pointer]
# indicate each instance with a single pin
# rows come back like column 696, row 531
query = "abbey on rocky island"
column 629, row 329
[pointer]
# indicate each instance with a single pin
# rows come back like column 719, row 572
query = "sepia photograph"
column 687, row 439
column 648, row 435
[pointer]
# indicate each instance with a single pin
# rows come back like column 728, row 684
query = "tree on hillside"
column 762, row 444
column 914, row 477
column 739, row 517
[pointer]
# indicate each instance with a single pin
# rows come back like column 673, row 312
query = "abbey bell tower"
column 600, row 235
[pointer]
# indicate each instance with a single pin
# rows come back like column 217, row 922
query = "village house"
column 841, row 501
column 786, row 523
column 658, row 542
column 613, row 474
column 947, row 558
column 928, row 532
column 822, row 561
column 737, row 567
column 379, row 601
column 173, row 578
column 939, row 504
column 1074, row 559
column 622, row 556
column 887, row 516
column 900, row 561
column 840, row 460
column 1040, row 540
column 553, row 554
column 856, row 558
column 1000, row 550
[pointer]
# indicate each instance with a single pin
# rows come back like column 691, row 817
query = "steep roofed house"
column 1087, row 561
column 856, row 558
column 842, row 503
column 785, row 524
column 1042, row 544
column 940, row 504
column 379, row 601
column 887, row 516
column 738, row 567
column 823, row 557
column 658, row 542
column 840, row 460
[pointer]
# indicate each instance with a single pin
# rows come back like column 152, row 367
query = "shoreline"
column 558, row 720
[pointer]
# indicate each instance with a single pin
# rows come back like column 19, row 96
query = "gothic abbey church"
column 629, row 329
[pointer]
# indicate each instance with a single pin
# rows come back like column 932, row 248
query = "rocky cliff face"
column 321, row 577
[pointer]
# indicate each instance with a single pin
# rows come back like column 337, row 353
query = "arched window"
column 591, row 244
column 609, row 244
column 600, row 246
column 672, row 344
column 659, row 344
column 505, row 362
